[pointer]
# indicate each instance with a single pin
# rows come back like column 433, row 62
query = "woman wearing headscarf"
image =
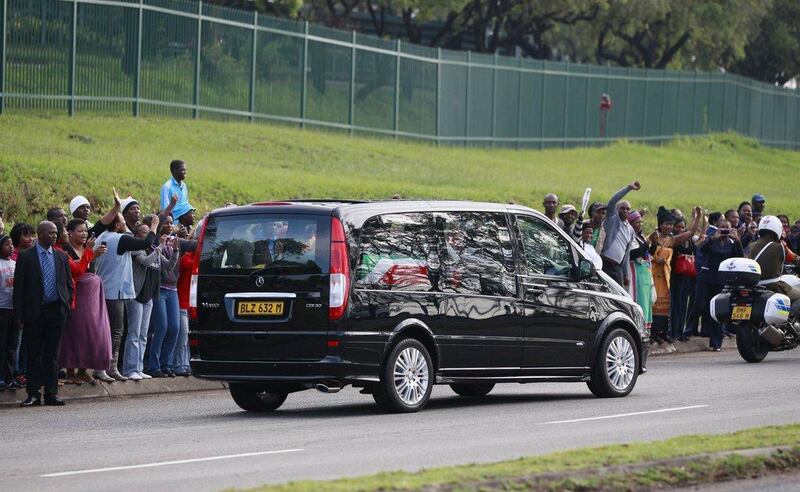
column 86, row 342
column 641, row 287
column 662, row 242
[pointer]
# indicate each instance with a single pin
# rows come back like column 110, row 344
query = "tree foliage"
column 759, row 38
column 773, row 55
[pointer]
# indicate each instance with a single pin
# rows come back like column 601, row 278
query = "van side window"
column 397, row 252
column 546, row 251
column 476, row 254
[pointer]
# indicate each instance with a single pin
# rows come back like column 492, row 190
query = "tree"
column 675, row 33
column 773, row 54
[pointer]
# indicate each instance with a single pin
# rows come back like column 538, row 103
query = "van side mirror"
column 585, row 269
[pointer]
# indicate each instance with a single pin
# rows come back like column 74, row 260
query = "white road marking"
column 619, row 415
column 168, row 463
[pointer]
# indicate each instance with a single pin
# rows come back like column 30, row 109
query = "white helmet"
column 771, row 223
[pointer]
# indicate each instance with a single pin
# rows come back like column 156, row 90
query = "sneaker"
column 157, row 374
column 21, row 381
column 103, row 376
column 134, row 376
column 145, row 375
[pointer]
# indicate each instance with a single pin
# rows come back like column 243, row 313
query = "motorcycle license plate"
column 741, row 313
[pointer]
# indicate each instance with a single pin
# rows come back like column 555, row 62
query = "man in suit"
column 43, row 293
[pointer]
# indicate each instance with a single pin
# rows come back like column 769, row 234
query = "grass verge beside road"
column 591, row 468
column 45, row 161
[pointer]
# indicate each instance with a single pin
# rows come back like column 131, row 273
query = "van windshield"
column 275, row 244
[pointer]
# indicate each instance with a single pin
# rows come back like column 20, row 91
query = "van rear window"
column 285, row 244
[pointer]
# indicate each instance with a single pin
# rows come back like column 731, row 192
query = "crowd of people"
column 82, row 301
column 672, row 272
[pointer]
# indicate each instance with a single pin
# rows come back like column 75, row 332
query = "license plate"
column 259, row 308
column 741, row 313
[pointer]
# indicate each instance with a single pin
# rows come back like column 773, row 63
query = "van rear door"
column 263, row 287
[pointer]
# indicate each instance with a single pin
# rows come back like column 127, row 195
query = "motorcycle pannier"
column 720, row 307
column 739, row 272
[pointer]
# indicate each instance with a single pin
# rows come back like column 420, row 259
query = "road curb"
column 695, row 344
column 71, row 392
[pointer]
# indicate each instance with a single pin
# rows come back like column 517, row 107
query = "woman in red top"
column 86, row 342
column 184, row 282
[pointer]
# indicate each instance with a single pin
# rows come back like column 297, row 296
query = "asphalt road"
column 202, row 441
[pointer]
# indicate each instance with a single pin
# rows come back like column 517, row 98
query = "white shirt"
column 592, row 254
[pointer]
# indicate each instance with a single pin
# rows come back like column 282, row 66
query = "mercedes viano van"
column 395, row 297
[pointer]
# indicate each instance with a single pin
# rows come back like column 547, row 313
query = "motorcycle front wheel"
column 751, row 346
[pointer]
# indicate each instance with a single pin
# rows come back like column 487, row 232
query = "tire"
column 256, row 399
column 751, row 347
column 472, row 390
column 406, row 378
column 616, row 367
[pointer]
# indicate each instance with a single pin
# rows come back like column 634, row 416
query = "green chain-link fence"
column 182, row 58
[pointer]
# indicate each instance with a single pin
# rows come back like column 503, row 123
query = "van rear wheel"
column 256, row 399
column 406, row 378
column 472, row 389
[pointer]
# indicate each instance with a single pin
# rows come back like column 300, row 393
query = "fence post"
column 137, row 81
column 588, row 104
column 541, row 124
column 644, row 106
column 251, row 105
column 694, row 99
column 724, row 102
column 352, row 83
column 519, row 102
column 566, row 107
column 466, row 101
column 627, row 102
column 304, row 87
column 661, row 110
column 73, row 35
column 196, row 94
column 494, row 98
column 396, row 124
column 438, row 90
column 3, row 15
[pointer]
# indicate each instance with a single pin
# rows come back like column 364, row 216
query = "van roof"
column 355, row 208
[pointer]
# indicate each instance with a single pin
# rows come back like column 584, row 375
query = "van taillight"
column 192, row 311
column 339, row 270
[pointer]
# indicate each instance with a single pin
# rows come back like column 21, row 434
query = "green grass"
column 41, row 166
column 511, row 472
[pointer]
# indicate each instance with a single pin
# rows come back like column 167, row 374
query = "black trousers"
column 42, row 339
column 614, row 270
column 9, row 339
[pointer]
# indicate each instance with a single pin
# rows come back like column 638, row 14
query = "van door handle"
column 534, row 289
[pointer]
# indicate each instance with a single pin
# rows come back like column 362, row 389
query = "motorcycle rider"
column 769, row 252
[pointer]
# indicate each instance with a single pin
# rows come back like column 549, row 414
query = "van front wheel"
column 256, row 399
column 406, row 378
column 616, row 366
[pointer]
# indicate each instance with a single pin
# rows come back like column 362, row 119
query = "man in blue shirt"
column 176, row 185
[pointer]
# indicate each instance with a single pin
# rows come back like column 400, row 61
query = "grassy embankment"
column 593, row 468
column 41, row 166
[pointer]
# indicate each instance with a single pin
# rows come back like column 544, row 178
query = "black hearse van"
column 394, row 297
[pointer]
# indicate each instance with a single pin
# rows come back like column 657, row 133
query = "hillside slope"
column 43, row 163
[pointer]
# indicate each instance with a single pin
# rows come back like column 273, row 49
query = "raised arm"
column 612, row 204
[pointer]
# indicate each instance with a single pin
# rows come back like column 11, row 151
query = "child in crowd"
column 9, row 330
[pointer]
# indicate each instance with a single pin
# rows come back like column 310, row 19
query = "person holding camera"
column 116, row 270
column 723, row 245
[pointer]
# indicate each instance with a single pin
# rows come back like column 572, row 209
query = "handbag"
column 684, row 265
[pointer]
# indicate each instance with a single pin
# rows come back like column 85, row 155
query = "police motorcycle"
column 759, row 316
